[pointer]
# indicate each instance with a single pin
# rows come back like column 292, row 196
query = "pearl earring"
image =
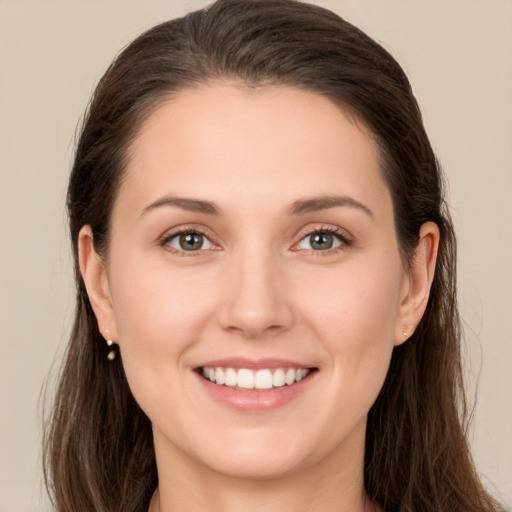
column 112, row 353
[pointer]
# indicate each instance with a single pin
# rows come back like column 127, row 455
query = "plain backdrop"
column 457, row 54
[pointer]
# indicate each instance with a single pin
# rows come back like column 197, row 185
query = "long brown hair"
column 98, row 445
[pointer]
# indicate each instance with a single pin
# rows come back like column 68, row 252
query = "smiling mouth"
column 258, row 380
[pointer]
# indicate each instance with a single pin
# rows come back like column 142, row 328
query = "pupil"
column 321, row 241
column 191, row 241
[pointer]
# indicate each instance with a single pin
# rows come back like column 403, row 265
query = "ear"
column 416, row 289
column 94, row 274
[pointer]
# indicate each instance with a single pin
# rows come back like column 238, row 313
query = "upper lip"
column 253, row 364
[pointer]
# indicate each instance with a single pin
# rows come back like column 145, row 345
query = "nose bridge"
column 256, row 304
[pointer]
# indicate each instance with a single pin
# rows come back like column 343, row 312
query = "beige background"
column 458, row 56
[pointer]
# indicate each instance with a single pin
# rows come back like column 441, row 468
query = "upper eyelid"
column 303, row 232
column 333, row 229
column 173, row 232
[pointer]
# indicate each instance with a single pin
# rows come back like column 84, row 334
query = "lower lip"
column 253, row 400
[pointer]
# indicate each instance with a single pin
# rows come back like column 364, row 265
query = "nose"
column 256, row 304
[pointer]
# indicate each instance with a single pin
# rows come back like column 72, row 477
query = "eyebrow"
column 298, row 207
column 192, row 205
column 315, row 204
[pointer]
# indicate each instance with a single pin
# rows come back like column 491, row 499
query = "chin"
column 263, row 455
column 259, row 467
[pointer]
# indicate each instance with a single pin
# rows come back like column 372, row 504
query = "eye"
column 189, row 241
column 322, row 240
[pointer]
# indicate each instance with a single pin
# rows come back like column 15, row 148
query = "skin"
column 257, row 289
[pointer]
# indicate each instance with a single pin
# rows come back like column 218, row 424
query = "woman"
column 266, row 314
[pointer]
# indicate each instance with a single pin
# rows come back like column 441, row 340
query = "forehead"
column 235, row 142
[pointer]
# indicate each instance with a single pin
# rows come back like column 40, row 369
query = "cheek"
column 357, row 304
column 354, row 312
column 159, row 316
column 158, row 312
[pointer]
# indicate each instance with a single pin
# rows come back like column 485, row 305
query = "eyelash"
column 184, row 231
column 344, row 240
column 342, row 237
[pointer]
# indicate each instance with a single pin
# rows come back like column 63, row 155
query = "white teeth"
column 290, row 376
column 249, row 379
column 263, row 379
column 278, row 379
column 231, row 378
column 245, row 379
column 300, row 374
column 219, row 376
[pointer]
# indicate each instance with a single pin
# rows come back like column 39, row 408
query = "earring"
column 112, row 353
column 404, row 330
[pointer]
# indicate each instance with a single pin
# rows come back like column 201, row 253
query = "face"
column 253, row 281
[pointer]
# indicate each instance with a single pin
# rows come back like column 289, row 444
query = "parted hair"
column 98, row 447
